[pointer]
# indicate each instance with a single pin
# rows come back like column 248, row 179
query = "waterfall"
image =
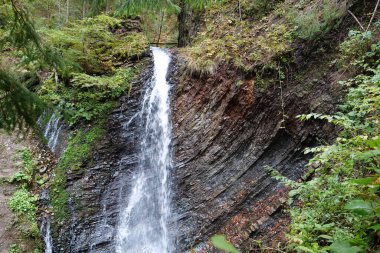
column 44, row 201
column 46, row 234
column 144, row 219
column 52, row 131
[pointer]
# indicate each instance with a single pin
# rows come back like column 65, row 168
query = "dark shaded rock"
column 225, row 136
column 95, row 191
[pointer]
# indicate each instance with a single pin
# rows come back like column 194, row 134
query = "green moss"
column 245, row 44
column 94, row 44
column 23, row 205
column 314, row 18
column 75, row 156
column 87, row 97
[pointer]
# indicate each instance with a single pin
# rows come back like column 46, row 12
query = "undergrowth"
column 23, row 205
column 338, row 210
column 87, row 97
column 243, row 43
column 100, row 47
column 256, row 36
column 97, row 44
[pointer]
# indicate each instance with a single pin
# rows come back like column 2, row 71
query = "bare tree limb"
column 373, row 15
column 356, row 19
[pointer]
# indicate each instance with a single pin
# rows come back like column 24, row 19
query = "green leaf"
column 327, row 237
column 305, row 249
column 374, row 143
column 344, row 247
column 363, row 181
column 376, row 227
column 220, row 242
column 359, row 206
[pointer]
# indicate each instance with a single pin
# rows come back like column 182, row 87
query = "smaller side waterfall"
column 46, row 234
column 52, row 131
column 45, row 221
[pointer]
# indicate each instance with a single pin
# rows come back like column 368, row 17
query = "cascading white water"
column 52, row 131
column 46, row 235
column 143, row 226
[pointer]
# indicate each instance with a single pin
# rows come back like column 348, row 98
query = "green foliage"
column 339, row 209
column 87, row 97
column 96, row 44
column 220, row 242
column 246, row 45
column 28, row 168
column 99, row 45
column 256, row 9
column 23, row 205
column 355, row 46
column 314, row 18
column 14, row 248
column 18, row 106
column 134, row 7
column 76, row 154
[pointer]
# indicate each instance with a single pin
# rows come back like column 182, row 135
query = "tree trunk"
column 160, row 28
column 84, row 9
column 183, row 29
column 67, row 10
column 108, row 6
column 188, row 24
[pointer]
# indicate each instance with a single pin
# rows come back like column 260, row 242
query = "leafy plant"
column 23, row 205
column 28, row 168
column 87, row 97
column 316, row 17
column 14, row 248
column 338, row 209
column 356, row 45
column 220, row 242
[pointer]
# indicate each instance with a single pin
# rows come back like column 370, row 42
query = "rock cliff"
column 226, row 132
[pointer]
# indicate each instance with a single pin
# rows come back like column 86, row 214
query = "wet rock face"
column 97, row 189
column 225, row 135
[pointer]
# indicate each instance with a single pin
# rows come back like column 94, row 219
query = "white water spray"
column 52, row 131
column 143, row 226
column 46, row 234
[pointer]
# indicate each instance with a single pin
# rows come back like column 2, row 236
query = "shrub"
column 316, row 17
column 356, row 45
column 23, row 205
column 338, row 210
column 87, row 97
column 28, row 168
